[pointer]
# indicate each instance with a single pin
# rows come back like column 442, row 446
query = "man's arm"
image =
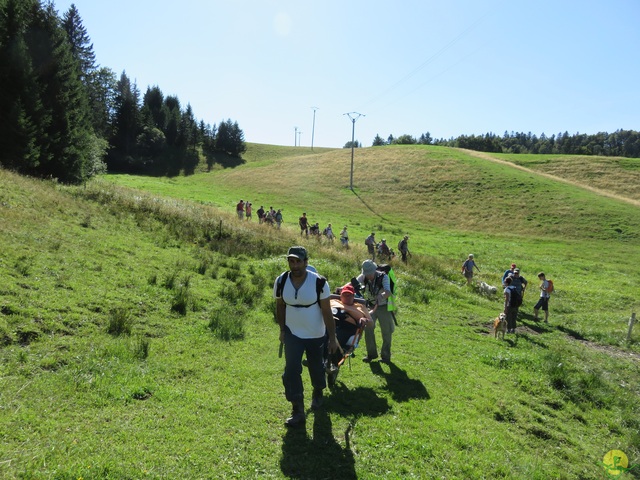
column 329, row 323
column 280, row 316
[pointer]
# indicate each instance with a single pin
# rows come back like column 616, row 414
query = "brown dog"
column 500, row 325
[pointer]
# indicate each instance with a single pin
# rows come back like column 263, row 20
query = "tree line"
column 63, row 116
column 621, row 143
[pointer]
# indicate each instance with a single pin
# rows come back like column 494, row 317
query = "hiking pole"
column 393, row 314
column 280, row 350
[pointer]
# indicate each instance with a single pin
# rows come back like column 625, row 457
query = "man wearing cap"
column 508, row 273
column 519, row 282
column 377, row 290
column 370, row 242
column 304, row 315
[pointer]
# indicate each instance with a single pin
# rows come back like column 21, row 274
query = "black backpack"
column 320, row 282
column 516, row 298
column 386, row 269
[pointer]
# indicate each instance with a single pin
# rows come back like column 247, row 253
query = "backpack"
column 386, row 269
column 368, row 241
column 516, row 298
column 550, row 286
column 320, row 282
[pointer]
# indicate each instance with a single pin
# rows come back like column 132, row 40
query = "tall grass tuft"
column 181, row 300
column 120, row 322
column 141, row 348
column 227, row 322
column 170, row 282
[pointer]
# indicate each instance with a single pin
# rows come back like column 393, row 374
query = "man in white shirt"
column 303, row 312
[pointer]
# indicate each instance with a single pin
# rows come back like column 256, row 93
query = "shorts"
column 543, row 303
column 468, row 273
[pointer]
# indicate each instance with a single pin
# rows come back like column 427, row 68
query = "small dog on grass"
column 500, row 325
column 487, row 289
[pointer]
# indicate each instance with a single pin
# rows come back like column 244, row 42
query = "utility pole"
column 295, row 137
column 353, row 116
column 313, row 128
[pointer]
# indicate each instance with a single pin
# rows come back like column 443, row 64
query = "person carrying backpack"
column 370, row 242
column 403, row 247
column 377, row 292
column 303, row 312
column 512, row 302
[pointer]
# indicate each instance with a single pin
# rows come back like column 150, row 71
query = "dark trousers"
column 294, row 349
column 512, row 315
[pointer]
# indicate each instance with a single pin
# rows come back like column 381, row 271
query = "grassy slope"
column 457, row 404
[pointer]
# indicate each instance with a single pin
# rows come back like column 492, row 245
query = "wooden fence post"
column 632, row 320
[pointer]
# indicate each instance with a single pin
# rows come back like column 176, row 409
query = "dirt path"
column 604, row 193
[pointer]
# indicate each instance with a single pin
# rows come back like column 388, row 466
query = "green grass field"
column 137, row 337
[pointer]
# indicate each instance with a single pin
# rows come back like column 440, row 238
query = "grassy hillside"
column 137, row 339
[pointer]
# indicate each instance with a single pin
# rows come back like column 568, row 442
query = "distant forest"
column 621, row 143
column 65, row 117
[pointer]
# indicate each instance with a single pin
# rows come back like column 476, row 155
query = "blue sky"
column 411, row 67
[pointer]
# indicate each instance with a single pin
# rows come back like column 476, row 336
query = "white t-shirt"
column 543, row 293
column 304, row 322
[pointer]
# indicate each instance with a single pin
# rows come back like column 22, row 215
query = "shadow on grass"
column 400, row 386
column 369, row 207
column 572, row 333
column 320, row 456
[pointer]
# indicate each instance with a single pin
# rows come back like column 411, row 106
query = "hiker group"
column 382, row 249
column 515, row 286
column 322, row 327
column 274, row 217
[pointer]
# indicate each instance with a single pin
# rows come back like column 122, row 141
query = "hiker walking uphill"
column 303, row 221
column 377, row 291
column 370, row 242
column 303, row 312
column 240, row 210
column 467, row 268
column 403, row 248
column 344, row 237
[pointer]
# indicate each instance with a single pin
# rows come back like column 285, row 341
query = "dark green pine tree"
column 22, row 117
column 127, row 125
column 153, row 111
column 63, row 96
column 81, row 46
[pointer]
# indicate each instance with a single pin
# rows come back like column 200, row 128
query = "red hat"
column 513, row 265
column 348, row 288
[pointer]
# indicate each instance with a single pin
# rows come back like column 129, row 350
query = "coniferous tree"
column 378, row 141
column 23, row 117
column 126, row 125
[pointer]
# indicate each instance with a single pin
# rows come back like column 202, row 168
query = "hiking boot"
column 297, row 418
column 316, row 399
column 368, row 358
